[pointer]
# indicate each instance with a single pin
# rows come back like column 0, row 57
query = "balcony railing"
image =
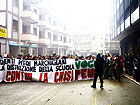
column 30, row 16
column 32, row 1
column 30, row 37
column 44, row 24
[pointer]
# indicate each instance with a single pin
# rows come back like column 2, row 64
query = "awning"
column 13, row 43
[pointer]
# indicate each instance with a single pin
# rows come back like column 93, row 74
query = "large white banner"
column 49, row 71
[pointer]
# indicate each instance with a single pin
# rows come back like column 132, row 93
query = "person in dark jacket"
column 106, row 67
column 138, row 68
column 117, row 68
column 111, row 67
column 98, row 71
column 130, row 63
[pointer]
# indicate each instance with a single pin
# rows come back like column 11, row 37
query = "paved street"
column 74, row 93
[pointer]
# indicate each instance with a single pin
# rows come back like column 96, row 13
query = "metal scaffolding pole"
column 19, row 30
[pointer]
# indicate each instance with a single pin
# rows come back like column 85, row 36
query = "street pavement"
column 125, row 92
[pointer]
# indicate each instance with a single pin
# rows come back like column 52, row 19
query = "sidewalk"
column 131, row 78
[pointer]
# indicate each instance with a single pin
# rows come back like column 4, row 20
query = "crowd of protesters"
column 132, row 65
column 48, row 57
column 114, row 66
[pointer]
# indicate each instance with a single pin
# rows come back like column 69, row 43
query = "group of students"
column 115, row 66
column 132, row 65
column 112, row 65
column 107, row 67
column 54, row 56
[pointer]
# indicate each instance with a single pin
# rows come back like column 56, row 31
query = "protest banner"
column 84, row 69
column 49, row 71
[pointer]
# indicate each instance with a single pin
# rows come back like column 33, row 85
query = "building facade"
column 125, row 25
column 9, row 12
column 86, row 44
column 107, row 43
column 33, row 28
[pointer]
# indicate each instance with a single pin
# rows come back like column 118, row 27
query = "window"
column 127, row 4
column 121, row 13
column 60, row 38
column 35, row 31
column 26, row 29
column 127, row 22
column 69, row 40
column 26, row 6
column 65, row 28
column 121, row 9
column 135, row 15
column 134, row 5
column 15, row 3
column 35, row 11
column 49, row 35
column 118, row 30
column 93, row 38
column 122, row 27
column 42, row 17
column 55, row 37
column 15, row 26
column 65, row 39
column 118, row 4
column 127, row 9
column 54, row 23
column 41, row 34
column 118, row 18
column 49, row 20
column 101, row 44
column 34, row 51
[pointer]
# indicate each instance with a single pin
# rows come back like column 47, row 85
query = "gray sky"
column 92, row 15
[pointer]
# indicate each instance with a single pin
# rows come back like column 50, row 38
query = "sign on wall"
column 3, row 32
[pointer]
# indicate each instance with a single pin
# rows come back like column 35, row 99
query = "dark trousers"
column 95, row 79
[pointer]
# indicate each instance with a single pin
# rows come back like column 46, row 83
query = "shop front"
column 31, row 49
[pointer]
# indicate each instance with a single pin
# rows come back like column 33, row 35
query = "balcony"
column 66, row 44
column 32, row 1
column 44, row 24
column 58, row 43
column 29, row 16
column 30, row 37
column 44, row 41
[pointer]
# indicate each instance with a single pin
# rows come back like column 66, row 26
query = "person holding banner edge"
column 98, row 71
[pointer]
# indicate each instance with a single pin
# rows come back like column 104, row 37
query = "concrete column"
column 31, row 28
column 37, row 51
column 58, row 51
column 30, row 51
column 7, row 47
column 46, row 50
